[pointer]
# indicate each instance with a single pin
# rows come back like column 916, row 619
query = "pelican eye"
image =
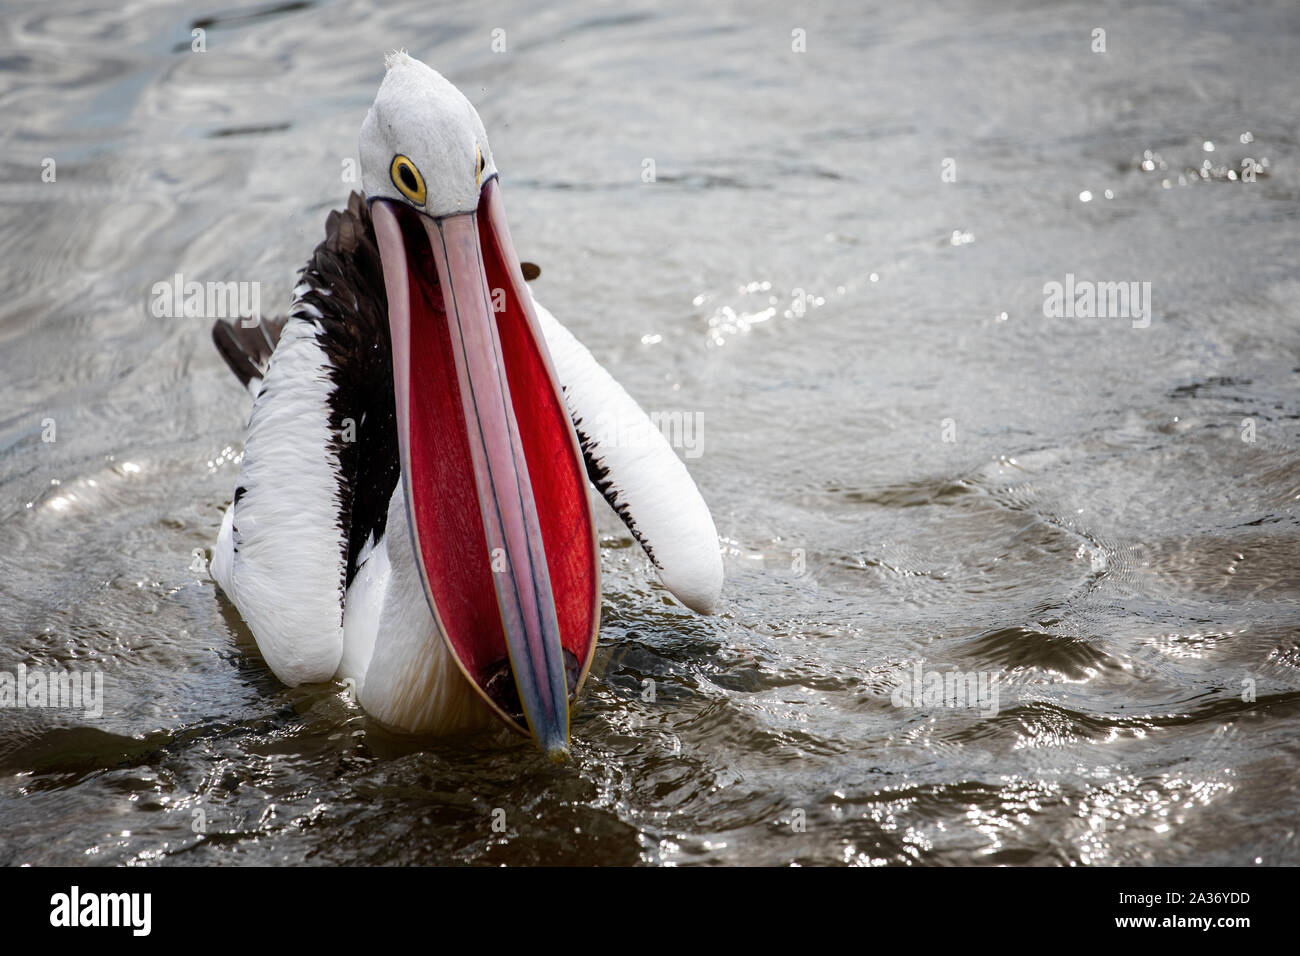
column 408, row 179
column 478, row 175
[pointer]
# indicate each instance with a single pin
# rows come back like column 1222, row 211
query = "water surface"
column 909, row 463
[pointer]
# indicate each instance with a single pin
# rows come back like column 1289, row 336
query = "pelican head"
column 495, row 485
column 423, row 144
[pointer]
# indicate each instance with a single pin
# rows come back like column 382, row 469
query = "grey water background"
column 908, row 462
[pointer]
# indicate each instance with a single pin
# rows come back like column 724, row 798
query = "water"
column 1097, row 536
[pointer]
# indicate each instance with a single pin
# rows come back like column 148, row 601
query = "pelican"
column 413, row 513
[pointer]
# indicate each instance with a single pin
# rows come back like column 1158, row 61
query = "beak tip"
column 555, row 746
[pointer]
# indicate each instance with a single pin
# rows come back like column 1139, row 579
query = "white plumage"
column 286, row 575
column 647, row 479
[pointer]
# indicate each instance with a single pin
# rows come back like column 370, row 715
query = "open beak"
column 500, row 517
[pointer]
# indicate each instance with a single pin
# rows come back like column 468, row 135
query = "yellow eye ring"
column 478, row 162
column 408, row 179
